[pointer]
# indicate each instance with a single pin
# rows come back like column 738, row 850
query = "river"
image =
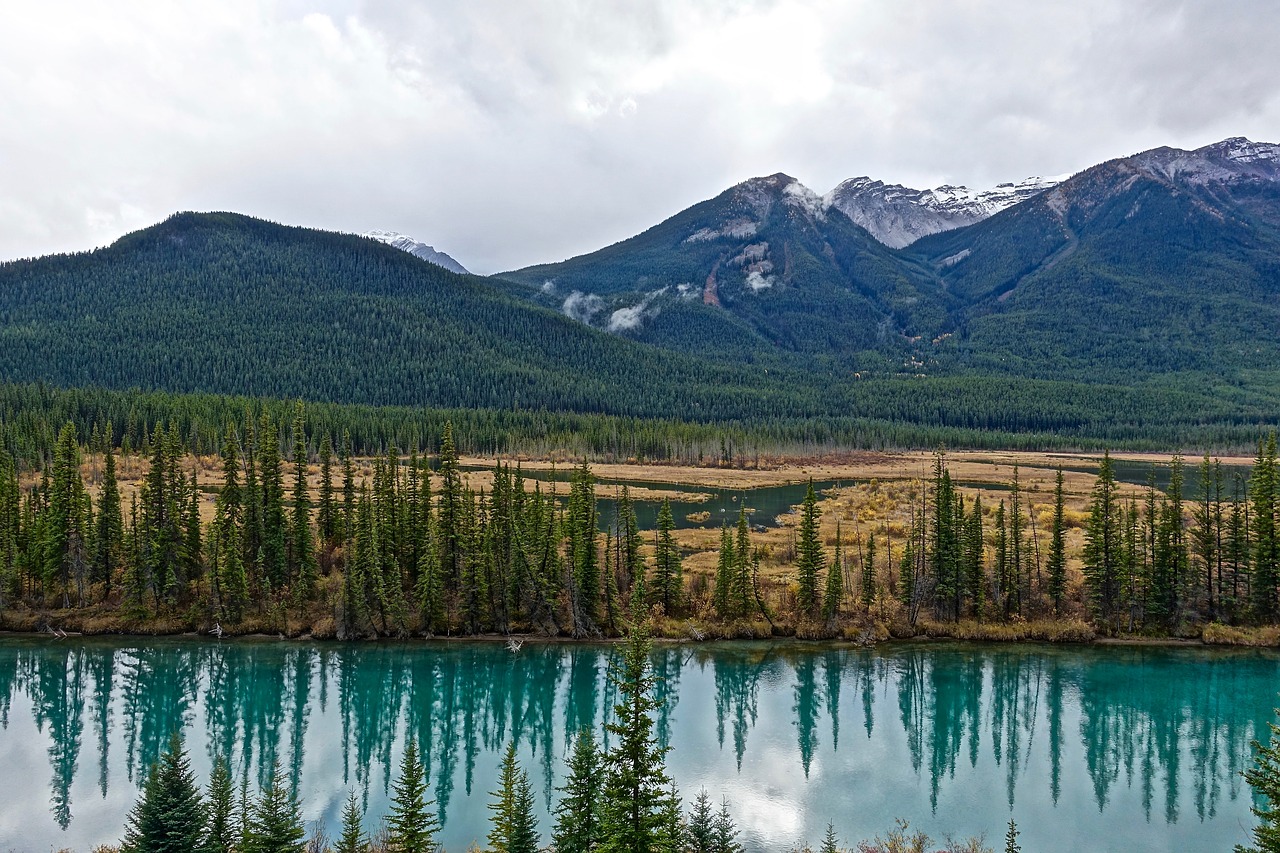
column 1087, row 748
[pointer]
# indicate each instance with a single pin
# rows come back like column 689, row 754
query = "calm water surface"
column 1089, row 749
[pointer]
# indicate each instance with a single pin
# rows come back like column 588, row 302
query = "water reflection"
column 1132, row 742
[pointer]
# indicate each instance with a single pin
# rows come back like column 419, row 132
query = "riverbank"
column 90, row 623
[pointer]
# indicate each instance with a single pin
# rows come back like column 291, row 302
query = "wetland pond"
column 1097, row 748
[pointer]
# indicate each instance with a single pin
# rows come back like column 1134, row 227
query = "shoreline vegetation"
column 289, row 532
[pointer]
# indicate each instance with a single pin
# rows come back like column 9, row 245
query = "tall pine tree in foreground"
column 577, row 828
column 635, row 804
column 274, row 822
column 514, row 828
column 223, row 831
column 170, row 816
column 352, row 839
column 1264, row 778
column 411, row 824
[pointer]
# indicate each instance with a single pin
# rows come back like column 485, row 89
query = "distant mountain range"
column 1137, row 295
column 429, row 254
column 1163, row 262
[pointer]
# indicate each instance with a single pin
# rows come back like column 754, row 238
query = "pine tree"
column 583, row 559
column 274, row 566
column 110, row 528
column 720, row 597
column 634, row 797
column 230, row 582
column 170, row 815
column 829, row 842
column 1264, row 483
column 66, row 540
column 577, row 828
column 302, row 547
column 222, row 831
column 833, row 594
column 867, row 593
column 726, row 831
column 1102, row 549
column 668, row 570
column 742, row 591
column 809, row 558
column 1057, row 566
column 514, row 828
column 701, row 831
column 1011, row 839
column 975, row 580
column 411, row 824
column 327, row 511
column 351, row 838
column 1264, row 779
column 274, row 822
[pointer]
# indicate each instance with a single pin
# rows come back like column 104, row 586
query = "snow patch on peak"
column 405, row 243
column 898, row 216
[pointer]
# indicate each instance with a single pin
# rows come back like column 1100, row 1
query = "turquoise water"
column 1089, row 749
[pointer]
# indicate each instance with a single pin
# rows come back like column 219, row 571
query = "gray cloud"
column 513, row 133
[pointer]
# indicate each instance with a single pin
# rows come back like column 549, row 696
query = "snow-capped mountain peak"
column 406, row 243
column 897, row 215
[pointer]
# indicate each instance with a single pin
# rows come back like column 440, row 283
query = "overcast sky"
column 512, row 133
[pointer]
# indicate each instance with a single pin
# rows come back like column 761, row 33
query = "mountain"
column 898, row 216
column 764, row 270
column 1164, row 262
column 228, row 304
column 420, row 250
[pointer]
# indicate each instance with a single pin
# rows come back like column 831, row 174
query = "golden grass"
column 1217, row 634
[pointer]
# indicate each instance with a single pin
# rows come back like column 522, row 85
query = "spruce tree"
column 223, row 832
column 273, row 563
column 1057, row 566
column 726, row 832
column 327, row 511
column 411, row 824
column 1011, row 839
column 351, row 838
column 668, row 571
column 302, row 548
column 829, row 842
column 634, row 797
column 720, row 597
column 833, row 594
column 1264, row 484
column 700, row 830
column 577, row 827
column 110, row 528
column 274, row 822
column 1102, row 550
column 514, row 828
column 867, row 592
column 742, row 591
column 170, row 815
column 1264, row 779
column 809, row 557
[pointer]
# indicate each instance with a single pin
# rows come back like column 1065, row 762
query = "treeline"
column 412, row 549
column 31, row 416
column 1162, row 560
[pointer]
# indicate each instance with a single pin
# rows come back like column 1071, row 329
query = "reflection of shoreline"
column 1042, row 723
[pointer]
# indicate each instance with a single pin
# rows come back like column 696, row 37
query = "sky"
column 528, row 131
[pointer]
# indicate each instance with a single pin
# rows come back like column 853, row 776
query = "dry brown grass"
column 1217, row 634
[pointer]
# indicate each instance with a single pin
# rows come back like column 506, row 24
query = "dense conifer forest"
column 402, row 544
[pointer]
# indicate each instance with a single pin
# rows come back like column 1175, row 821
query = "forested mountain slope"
column 1166, row 262
column 224, row 303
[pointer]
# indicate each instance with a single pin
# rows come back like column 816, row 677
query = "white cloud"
column 519, row 133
